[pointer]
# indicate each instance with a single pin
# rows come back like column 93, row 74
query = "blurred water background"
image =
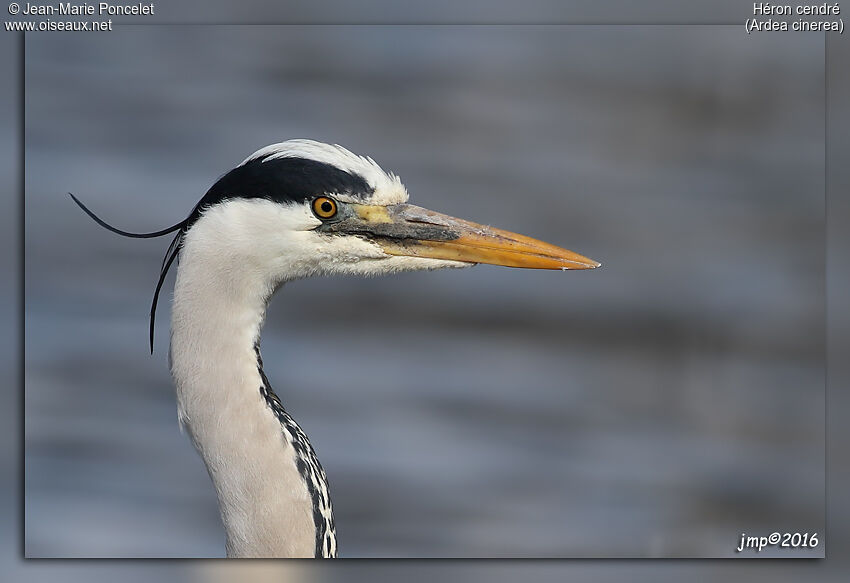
column 659, row 406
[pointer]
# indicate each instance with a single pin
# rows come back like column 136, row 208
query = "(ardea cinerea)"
column 290, row 210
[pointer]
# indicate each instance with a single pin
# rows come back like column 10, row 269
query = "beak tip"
column 585, row 263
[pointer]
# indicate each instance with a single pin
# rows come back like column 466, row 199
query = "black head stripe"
column 284, row 180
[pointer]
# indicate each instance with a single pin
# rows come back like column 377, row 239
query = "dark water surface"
column 658, row 406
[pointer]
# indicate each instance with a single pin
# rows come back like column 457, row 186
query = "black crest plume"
column 170, row 254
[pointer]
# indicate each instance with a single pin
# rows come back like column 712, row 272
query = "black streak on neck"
column 305, row 460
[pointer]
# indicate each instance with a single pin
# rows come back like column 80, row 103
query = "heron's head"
column 300, row 208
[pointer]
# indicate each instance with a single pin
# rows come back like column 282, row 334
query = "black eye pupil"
column 327, row 207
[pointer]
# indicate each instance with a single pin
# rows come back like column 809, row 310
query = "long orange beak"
column 409, row 230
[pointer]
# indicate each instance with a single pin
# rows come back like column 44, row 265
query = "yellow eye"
column 324, row 207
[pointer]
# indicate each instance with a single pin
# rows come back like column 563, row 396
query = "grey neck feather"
column 272, row 491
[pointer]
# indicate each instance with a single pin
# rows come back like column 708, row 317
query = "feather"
column 167, row 260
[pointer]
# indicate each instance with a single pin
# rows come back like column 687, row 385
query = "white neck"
column 253, row 455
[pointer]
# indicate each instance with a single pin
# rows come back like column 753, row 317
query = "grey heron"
column 290, row 210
